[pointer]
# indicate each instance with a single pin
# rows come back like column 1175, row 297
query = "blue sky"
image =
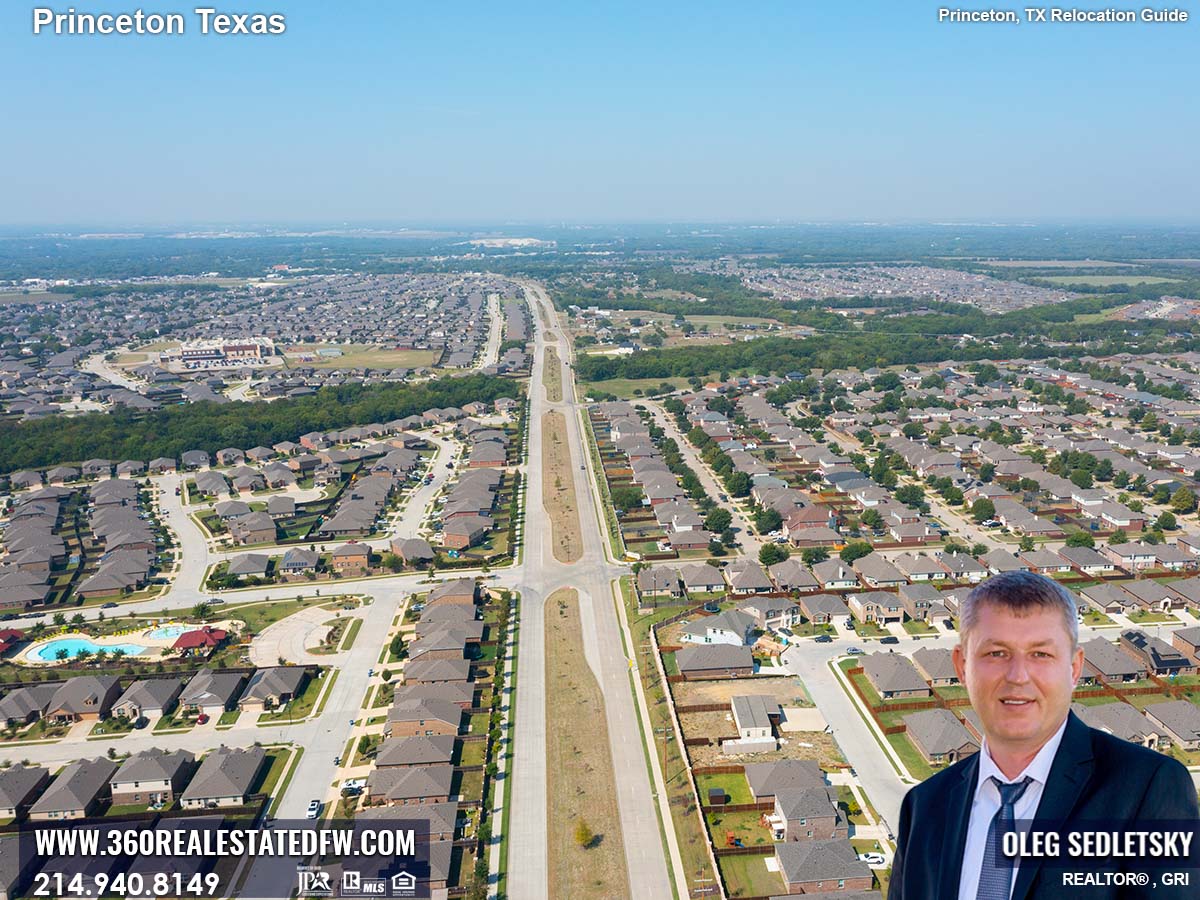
column 600, row 112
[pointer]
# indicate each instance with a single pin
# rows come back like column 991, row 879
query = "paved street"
column 591, row 577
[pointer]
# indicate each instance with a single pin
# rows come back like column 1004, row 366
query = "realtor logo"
column 354, row 885
column 314, row 883
column 404, row 884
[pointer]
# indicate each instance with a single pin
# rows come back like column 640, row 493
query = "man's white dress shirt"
column 987, row 803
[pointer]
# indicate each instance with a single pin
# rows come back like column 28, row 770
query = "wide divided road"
column 592, row 578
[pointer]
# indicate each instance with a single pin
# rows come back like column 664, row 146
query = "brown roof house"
column 1179, row 720
column 77, row 791
column 714, row 661
column 152, row 777
column 84, row 697
column 225, row 778
column 272, row 687
column 816, row 867
column 19, row 785
column 939, row 736
column 894, row 677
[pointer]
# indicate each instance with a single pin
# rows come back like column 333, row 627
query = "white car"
column 314, row 809
column 872, row 859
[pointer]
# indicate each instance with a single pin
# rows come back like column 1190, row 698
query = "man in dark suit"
column 1020, row 658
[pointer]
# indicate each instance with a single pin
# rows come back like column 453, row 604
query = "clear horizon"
column 544, row 116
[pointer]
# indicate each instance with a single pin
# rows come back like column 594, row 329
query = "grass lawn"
column 625, row 388
column 358, row 356
column 229, row 717
column 746, row 826
column 1145, row 616
column 471, row 753
column 1095, row 617
column 914, row 627
column 951, row 691
column 258, row 616
column 736, row 788
column 365, row 751
column 579, row 766
column 748, row 876
column 868, row 629
column 112, row 727
column 276, row 762
column 468, row 785
column 278, row 795
column 351, row 634
column 558, row 489
column 847, row 799
column 913, row 761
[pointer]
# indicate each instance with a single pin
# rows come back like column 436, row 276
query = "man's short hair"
column 1022, row 593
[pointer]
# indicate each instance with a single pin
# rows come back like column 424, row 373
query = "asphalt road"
column 592, row 578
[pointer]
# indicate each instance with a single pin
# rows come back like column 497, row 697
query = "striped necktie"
column 995, row 876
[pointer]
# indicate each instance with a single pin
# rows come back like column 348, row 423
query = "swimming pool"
column 48, row 652
column 167, row 632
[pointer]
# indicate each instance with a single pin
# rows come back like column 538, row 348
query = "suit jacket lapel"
column 1071, row 770
column 958, row 816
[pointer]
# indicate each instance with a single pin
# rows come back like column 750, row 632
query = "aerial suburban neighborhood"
column 685, row 633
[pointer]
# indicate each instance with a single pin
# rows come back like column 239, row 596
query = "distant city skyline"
column 547, row 114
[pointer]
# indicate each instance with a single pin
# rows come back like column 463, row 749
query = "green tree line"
column 168, row 432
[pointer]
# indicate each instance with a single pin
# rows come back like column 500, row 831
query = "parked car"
column 872, row 859
column 314, row 809
column 202, row 719
column 855, row 651
column 786, row 632
column 109, row 605
column 215, row 601
column 823, row 639
column 890, row 639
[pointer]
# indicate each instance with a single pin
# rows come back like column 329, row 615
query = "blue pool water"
column 167, row 632
column 49, row 652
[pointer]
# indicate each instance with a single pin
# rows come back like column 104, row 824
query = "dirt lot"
column 824, row 749
column 788, row 691
column 558, row 490
column 579, row 766
column 552, row 376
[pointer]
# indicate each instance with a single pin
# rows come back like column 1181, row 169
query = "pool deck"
column 139, row 636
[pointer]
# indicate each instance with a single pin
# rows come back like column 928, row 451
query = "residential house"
column 894, row 677
column 76, row 793
column 83, row 698
column 813, row 867
column 1159, row 657
column 1102, row 660
column 272, row 687
column 1178, row 720
column 151, row 777
column 19, row 786
column 226, row 777
column 148, row 697
column 211, row 692
column 939, row 736
column 714, row 661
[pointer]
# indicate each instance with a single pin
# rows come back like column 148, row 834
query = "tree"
column 1081, row 478
column 772, row 553
column 871, row 518
column 1080, row 539
column 392, row 562
column 59, row 619
column 814, row 555
column 201, row 610
column 625, row 498
column 718, row 519
column 77, row 620
column 738, row 484
column 1118, row 537
column 584, row 836
column 1026, row 543
column 767, row 520
column 987, row 472
column 855, row 550
column 1183, row 501
column 1166, row 521
column 397, row 647
column 983, row 509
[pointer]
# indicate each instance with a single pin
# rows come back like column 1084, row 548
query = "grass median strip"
column 586, row 851
column 558, row 489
